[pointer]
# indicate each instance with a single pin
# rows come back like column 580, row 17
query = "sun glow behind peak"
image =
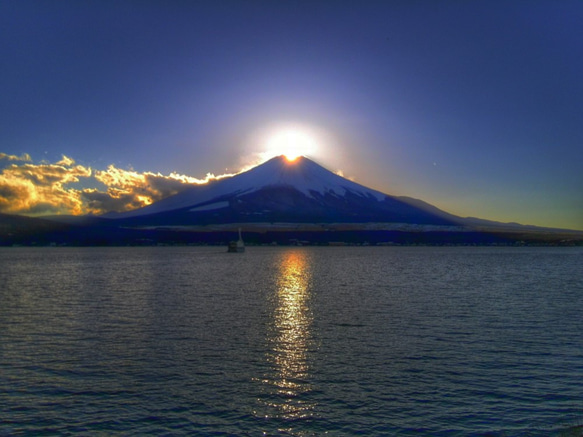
column 291, row 143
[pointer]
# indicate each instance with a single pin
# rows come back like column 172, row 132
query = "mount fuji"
column 282, row 202
column 283, row 191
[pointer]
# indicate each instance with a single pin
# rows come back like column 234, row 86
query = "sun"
column 291, row 143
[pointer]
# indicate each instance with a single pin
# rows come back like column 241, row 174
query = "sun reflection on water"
column 290, row 339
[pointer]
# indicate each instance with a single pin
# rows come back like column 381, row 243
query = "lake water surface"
column 291, row 341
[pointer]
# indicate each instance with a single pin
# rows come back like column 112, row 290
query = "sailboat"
column 237, row 246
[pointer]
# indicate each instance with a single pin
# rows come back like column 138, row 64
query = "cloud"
column 41, row 188
column 127, row 190
column 57, row 188
column 23, row 157
column 66, row 161
column 341, row 174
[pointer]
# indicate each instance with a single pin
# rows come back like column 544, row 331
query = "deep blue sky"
column 473, row 106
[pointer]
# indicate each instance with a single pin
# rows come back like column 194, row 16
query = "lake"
column 291, row 341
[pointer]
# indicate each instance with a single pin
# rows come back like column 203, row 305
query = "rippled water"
column 291, row 341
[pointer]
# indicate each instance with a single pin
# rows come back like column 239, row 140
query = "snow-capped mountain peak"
column 302, row 174
column 279, row 191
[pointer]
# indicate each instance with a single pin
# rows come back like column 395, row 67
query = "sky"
column 473, row 106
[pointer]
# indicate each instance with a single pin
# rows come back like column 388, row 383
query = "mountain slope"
column 283, row 191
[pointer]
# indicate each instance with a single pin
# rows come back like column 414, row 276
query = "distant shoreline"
column 182, row 237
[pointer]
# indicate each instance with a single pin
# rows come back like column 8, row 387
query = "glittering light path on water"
column 289, row 337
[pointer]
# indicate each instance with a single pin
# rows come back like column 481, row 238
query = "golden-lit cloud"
column 61, row 187
column 41, row 188
column 23, row 157
column 127, row 189
column 65, row 161
column 341, row 174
